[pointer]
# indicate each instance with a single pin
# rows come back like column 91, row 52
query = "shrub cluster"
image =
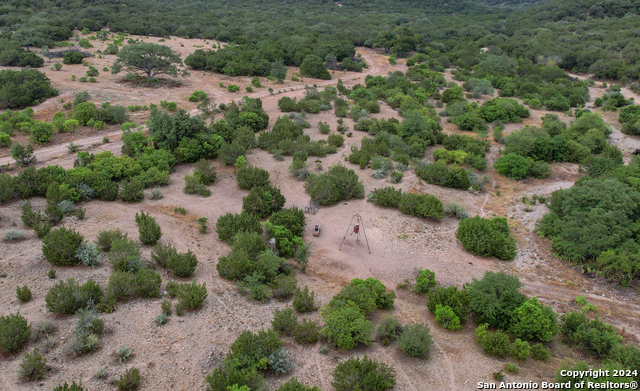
column 337, row 184
column 487, row 237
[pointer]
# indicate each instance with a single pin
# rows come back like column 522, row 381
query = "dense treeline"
column 574, row 36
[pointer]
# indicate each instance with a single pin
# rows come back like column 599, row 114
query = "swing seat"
column 316, row 230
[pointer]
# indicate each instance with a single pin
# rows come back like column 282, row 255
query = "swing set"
column 356, row 222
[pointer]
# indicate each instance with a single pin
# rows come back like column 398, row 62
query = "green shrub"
column 41, row 132
column 84, row 112
column 5, row 140
column 69, row 387
column 148, row 229
column 284, row 321
column 160, row 253
column 425, row 281
column 520, row 349
column 192, row 296
column 205, row 171
column 131, row 191
column 456, row 300
column 182, row 264
column 14, row 333
column 29, row 216
column 60, row 246
column 495, row 343
column 487, row 237
column 534, row 322
column 338, row 184
column 596, row 337
column 366, row 374
column 494, row 298
column 512, row 368
column 252, row 351
column 249, row 177
column 23, row 293
column 89, row 254
column 33, row 366
column 304, row 301
column 293, row 385
column 292, row 219
column 284, row 286
column 106, row 238
column 389, row 328
column 232, row 88
column 71, row 125
column 130, row 380
column 421, row 205
column 123, row 353
column 230, row 224
column 125, row 255
column 387, row 196
column 447, row 318
column 197, row 96
column 346, row 327
column 538, row 352
column 239, row 263
column 68, row 297
column 415, row 340
column 307, row 332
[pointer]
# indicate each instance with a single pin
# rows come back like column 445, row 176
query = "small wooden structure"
column 316, row 230
column 312, row 208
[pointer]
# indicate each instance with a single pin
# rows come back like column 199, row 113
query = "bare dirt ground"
column 180, row 353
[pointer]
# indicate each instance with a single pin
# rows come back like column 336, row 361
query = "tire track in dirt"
column 323, row 381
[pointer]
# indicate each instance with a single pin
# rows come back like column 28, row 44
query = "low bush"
column 307, row 332
column 493, row 343
column 131, row 191
column 425, row 281
column 421, row 205
column 249, row 177
column 533, row 321
column 366, row 374
column 205, row 171
column 89, row 254
column 130, row 380
column 23, row 293
column 126, row 255
column 60, row 246
column 14, row 333
column 451, row 297
column 68, row 297
column 338, row 184
column 230, row 224
column 293, row 385
column 447, row 318
column 415, row 340
column 284, row 321
column 106, row 238
column 263, row 201
column 487, row 237
column 304, row 301
column 160, row 253
column 148, row 229
column 389, row 329
column 33, row 366
column 539, row 352
column 346, row 327
column 182, row 264
column 191, row 296
column 520, row 349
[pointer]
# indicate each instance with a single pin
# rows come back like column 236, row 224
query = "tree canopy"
column 151, row 59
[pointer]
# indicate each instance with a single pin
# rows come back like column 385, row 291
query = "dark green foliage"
column 533, row 321
column 539, row 352
column 304, row 301
column 439, row 173
column 125, row 255
column 168, row 130
column 68, row 297
column 23, row 155
column 205, row 171
column 33, row 366
column 518, row 167
column 69, row 387
column 292, row 219
column 389, row 328
column 493, row 343
column 594, row 336
column 239, row 263
column 307, row 332
column 346, row 327
column 445, row 317
column 160, row 253
column 14, row 333
column 106, row 238
column 387, row 196
column 130, row 380
column 41, row 132
column 191, row 296
column 293, row 385
column 27, row 87
column 337, row 184
column 151, row 59
column 494, row 298
column 124, row 285
column 72, row 57
column 313, row 66
column 592, row 221
column 366, row 374
column 451, row 297
column 251, row 351
column 249, row 177
column 628, row 356
column 148, row 229
column 425, row 281
column 23, row 293
column 367, row 295
column 230, row 224
column 487, row 237
column 421, row 205
column 263, row 201
column 415, row 340
column 60, row 246
column 131, row 191
column 182, row 264
column 284, row 321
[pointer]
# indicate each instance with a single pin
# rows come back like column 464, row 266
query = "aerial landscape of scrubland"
column 315, row 195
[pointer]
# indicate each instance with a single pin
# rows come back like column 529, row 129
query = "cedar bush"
column 337, row 184
column 205, row 171
column 60, row 246
column 533, row 321
column 425, row 281
column 451, row 297
column 33, row 366
column 306, row 332
column 284, row 321
column 131, row 190
column 263, row 201
column 182, row 264
column 520, row 349
column 415, row 340
column 230, row 224
column 23, row 293
column 14, row 333
column 389, row 328
column 293, row 385
column 421, row 205
column 292, row 219
column 346, row 327
column 494, row 298
column 387, row 196
column 445, row 317
column 366, row 374
column 249, row 177
column 68, row 297
column 126, row 255
column 538, row 352
column 487, row 237
column 303, row 300
column 160, row 253
column 148, row 229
